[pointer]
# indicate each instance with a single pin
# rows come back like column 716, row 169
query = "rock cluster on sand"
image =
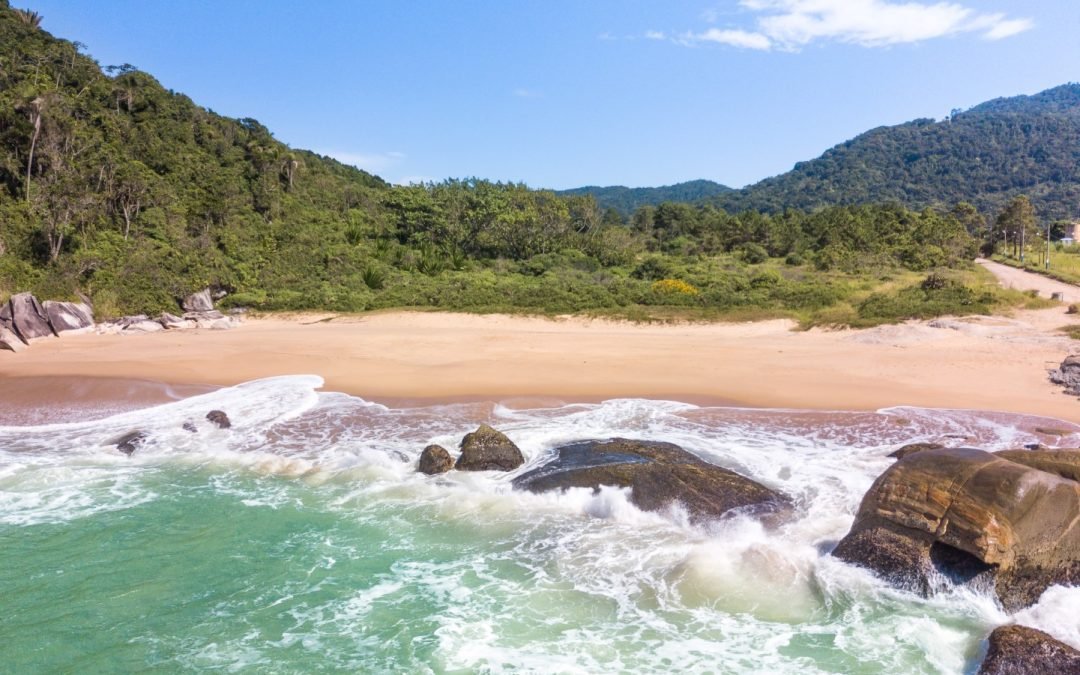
column 1010, row 521
column 658, row 475
column 23, row 319
column 1068, row 375
column 488, row 450
column 1018, row 650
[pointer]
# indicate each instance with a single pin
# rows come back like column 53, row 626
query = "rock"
column 1019, row 650
column 69, row 316
column 10, row 341
column 28, row 317
column 1068, row 375
column 128, row 443
column 912, row 448
column 198, row 302
column 1064, row 463
column 488, row 450
column 969, row 516
column 145, row 326
column 190, row 426
column 219, row 418
column 657, row 474
column 435, row 459
column 173, row 322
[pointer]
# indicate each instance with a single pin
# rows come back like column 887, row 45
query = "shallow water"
column 302, row 539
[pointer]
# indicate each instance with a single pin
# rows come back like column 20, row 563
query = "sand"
column 985, row 363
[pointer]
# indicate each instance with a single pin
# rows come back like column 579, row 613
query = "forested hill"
column 627, row 200
column 985, row 156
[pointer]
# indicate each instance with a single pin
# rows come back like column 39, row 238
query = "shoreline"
column 993, row 364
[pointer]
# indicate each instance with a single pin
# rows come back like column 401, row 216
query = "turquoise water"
column 302, row 540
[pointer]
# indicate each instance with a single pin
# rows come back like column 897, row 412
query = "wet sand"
column 983, row 363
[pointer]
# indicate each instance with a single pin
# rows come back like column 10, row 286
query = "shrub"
column 674, row 286
column 754, row 254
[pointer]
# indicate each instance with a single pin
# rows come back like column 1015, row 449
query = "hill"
column 627, row 200
column 985, row 155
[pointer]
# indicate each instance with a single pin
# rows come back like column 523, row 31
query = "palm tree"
column 32, row 19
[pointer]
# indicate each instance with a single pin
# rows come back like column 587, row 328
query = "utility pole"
column 1048, row 244
column 1022, row 243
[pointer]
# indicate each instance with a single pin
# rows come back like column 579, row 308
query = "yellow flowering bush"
column 674, row 286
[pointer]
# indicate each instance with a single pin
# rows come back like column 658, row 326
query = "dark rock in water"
column 68, row 316
column 28, row 317
column 488, row 450
column 219, row 418
column 190, row 426
column 1032, row 446
column 970, row 515
column 10, row 341
column 1068, row 375
column 912, row 448
column 1019, row 650
column 129, row 442
column 435, row 459
column 1064, row 463
column 198, row 302
column 657, row 473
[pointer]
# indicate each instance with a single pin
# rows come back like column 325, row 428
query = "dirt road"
column 1011, row 277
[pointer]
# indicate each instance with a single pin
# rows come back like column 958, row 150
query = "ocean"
column 302, row 539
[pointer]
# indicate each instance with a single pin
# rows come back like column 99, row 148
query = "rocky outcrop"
column 1068, row 375
column 658, row 474
column 488, row 450
column 435, row 459
column 219, row 418
column 965, row 515
column 912, row 448
column 28, row 318
column 67, row 317
column 1019, row 650
column 129, row 442
column 198, row 302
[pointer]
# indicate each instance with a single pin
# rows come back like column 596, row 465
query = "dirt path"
column 1011, row 277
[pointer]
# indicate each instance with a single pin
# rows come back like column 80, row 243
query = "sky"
column 565, row 93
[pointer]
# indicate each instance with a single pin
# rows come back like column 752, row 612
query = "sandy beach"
column 986, row 363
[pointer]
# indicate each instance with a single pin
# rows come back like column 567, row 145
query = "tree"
column 1017, row 223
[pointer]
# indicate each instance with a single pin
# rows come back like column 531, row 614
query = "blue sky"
column 563, row 93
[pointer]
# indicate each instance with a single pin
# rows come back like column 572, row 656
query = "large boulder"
column 969, row 516
column 435, row 459
column 488, row 450
column 219, row 418
column 28, row 317
column 198, row 302
column 1019, row 650
column 657, row 473
column 144, row 326
column 129, row 442
column 912, row 448
column 68, row 316
column 1065, row 463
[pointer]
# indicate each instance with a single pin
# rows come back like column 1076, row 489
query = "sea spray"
column 303, row 539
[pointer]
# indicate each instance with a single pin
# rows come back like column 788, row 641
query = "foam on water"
column 462, row 573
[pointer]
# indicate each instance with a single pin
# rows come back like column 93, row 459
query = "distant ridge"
column 985, row 155
column 626, row 200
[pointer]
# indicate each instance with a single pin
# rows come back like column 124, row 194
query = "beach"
column 978, row 363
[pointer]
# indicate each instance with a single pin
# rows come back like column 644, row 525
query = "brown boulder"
column 129, row 442
column 10, row 341
column 435, row 459
column 219, row 418
column 68, row 316
column 1019, row 650
column 28, row 317
column 657, row 474
column 912, row 448
column 968, row 514
column 1064, row 463
column 488, row 450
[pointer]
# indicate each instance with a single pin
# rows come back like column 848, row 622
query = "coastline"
column 977, row 363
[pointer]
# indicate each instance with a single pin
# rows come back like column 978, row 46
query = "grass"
column 1064, row 264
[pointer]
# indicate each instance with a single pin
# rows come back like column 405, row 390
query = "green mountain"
column 627, row 200
column 985, row 156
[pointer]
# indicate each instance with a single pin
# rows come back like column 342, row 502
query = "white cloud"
column 655, row 35
column 522, row 92
column 370, row 162
column 792, row 24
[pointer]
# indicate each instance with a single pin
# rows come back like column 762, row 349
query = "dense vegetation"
column 113, row 186
column 625, row 201
column 985, row 156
